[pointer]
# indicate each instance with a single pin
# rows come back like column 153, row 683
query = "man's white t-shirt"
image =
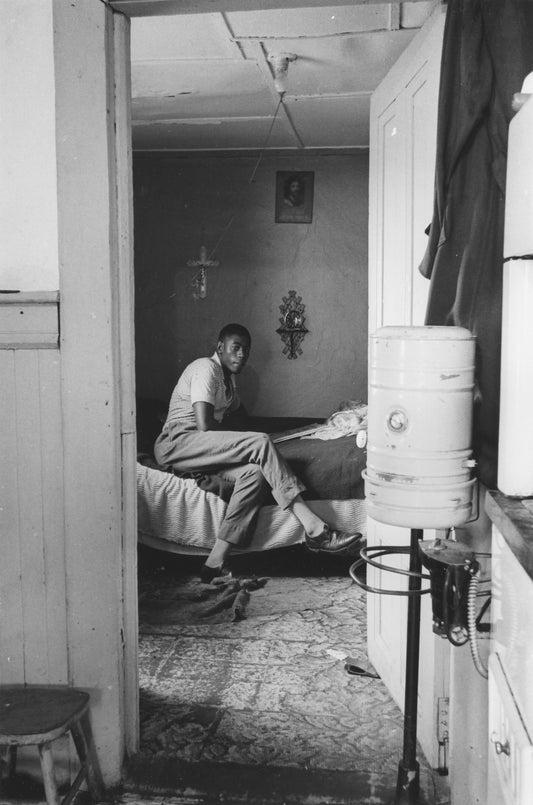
column 202, row 381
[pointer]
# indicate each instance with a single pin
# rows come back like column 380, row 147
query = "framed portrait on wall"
column 294, row 197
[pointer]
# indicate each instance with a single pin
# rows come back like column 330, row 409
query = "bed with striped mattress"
column 175, row 514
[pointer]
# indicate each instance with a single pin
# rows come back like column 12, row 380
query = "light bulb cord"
column 250, row 180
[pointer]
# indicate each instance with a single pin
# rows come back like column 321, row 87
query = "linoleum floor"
column 262, row 709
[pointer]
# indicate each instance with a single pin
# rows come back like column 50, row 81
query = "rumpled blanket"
column 347, row 421
column 231, row 593
column 166, row 602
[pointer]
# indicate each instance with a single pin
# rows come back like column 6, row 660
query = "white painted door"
column 403, row 130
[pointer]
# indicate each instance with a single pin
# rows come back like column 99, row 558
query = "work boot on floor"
column 332, row 541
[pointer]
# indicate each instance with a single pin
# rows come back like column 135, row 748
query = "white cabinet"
column 510, row 751
column 510, row 747
column 403, row 127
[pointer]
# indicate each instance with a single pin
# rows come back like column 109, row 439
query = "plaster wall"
column 28, row 205
column 181, row 203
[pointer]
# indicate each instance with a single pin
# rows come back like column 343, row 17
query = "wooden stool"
column 37, row 716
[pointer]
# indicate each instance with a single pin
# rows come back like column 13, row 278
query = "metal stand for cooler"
column 418, row 472
column 408, row 781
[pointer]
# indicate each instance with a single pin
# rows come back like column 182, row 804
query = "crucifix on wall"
column 199, row 281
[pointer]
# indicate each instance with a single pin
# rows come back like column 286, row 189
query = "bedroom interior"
column 222, row 202
column 188, row 201
column 184, row 201
column 326, row 273
column 71, row 592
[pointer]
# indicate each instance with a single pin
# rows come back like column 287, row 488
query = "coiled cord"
column 481, row 668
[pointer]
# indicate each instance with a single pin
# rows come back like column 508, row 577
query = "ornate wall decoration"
column 293, row 329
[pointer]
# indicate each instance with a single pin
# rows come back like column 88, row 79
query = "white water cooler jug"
column 419, row 457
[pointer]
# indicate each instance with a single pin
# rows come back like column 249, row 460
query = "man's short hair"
column 234, row 329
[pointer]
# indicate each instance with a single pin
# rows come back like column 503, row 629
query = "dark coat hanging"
column 487, row 52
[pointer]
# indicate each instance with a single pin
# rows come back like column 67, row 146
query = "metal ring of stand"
column 367, row 557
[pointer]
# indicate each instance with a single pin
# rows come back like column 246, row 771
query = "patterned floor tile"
column 271, row 690
column 179, row 729
column 302, row 741
column 195, row 651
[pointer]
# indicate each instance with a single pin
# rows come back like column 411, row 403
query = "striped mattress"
column 175, row 515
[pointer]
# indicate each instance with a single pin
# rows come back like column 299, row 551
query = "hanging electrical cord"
column 252, row 176
column 199, row 281
column 261, row 153
column 279, row 66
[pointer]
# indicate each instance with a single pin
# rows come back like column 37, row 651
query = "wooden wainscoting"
column 33, row 630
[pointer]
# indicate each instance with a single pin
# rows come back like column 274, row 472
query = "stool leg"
column 49, row 780
column 11, row 762
column 82, row 735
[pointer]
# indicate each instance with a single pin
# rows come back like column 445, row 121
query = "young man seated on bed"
column 194, row 439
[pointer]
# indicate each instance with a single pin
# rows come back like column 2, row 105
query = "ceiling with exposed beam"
column 269, row 78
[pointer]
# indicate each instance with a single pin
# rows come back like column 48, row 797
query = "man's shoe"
column 207, row 574
column 332, row 541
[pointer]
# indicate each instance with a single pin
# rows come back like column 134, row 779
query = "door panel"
column 403, row 127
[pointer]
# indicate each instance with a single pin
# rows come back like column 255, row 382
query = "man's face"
column 233, row 352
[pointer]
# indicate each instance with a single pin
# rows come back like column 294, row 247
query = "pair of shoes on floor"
column 333, row 541
column 207, row 574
